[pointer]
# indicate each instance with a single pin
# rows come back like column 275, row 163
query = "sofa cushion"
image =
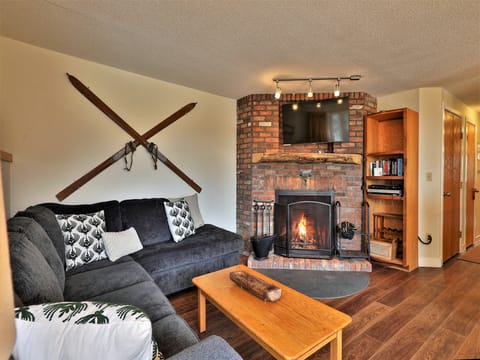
column 82, row 234
column 94, row 281
column 146, row 295
column 33, row 279
column 208, row 241
column 37, row 235
column 179, row 219
column 104, row 329
column 211, row 348
column 148, row 218
column 172, row 280
column 46, row 218
column 113, row 220
column 96, row 265
column 121, row 243
column 173, row 335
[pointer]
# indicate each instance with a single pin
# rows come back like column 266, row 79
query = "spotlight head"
column 355, row 77
column 310, row 92
column 278, row 91
column 336, row 89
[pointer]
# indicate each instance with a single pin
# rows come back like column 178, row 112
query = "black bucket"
column 261, row 246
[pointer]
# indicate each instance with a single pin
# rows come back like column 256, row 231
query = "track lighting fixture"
column 336, row 92
column 310, row 92
column 278, row 91
column 336, row 89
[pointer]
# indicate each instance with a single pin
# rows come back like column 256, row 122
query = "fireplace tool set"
column 345, row 230
column 263, row 240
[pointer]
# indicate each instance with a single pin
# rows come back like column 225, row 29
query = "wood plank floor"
column 427, row 314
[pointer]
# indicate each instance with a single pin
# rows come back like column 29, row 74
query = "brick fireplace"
column 259, row 136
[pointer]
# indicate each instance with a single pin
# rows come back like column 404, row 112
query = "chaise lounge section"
column 142, row 279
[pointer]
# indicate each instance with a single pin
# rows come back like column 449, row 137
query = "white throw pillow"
column 82, row 330
column 82, row 234
column 118, row 244
column 179, row 219
column 192, row 201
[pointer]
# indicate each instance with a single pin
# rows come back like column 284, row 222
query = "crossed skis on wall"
column 138, row 140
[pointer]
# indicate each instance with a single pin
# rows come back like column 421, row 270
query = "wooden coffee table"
column 294, row 327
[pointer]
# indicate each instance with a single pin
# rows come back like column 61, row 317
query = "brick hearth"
column 334, row 264
column 259, row 132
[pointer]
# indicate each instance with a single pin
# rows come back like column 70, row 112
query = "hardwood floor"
column 427, row 314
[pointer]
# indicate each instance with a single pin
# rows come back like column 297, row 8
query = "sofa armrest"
column 211, row 348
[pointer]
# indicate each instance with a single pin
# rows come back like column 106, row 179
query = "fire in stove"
column 302, row 229
column 303, row 223
column 305, row 236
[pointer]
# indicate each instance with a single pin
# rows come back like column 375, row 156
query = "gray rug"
column 320, row 284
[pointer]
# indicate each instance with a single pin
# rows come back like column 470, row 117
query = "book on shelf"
column 387, row 167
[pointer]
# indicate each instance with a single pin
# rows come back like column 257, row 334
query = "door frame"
column 468, row 192
column 461, row 194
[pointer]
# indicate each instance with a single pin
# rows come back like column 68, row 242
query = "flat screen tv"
column 324, row 121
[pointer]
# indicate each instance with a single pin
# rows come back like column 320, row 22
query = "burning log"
column 256, row 286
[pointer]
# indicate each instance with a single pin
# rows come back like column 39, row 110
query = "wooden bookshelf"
column 392, row 135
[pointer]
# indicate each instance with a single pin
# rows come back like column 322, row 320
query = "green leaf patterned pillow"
column 80, row 330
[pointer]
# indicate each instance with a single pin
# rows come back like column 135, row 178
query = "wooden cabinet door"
column 451, row 184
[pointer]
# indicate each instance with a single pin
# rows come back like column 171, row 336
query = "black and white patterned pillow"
column 179, row 219
column 82, row 234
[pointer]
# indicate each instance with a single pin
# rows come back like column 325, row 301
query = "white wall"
column 430, row 161
column 430, row 104
column 404, row 99
column 56, row 135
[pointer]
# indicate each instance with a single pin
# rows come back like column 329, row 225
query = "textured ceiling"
column 235, row 47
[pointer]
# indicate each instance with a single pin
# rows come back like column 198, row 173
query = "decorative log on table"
column 256, row 286
column 307, row 158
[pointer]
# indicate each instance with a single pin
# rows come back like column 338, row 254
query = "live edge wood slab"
column 307, row 158
column 258, row 287
column 294, row 327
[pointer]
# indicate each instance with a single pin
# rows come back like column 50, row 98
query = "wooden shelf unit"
column 393, row 135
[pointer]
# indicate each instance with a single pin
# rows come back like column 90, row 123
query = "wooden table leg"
column 202, row 311
column 336, row 347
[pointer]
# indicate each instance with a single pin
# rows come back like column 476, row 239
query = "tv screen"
column 324, row 121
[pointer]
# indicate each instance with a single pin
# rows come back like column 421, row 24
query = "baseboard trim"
column 430, row 262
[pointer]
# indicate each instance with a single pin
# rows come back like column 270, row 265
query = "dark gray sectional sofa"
column 142, row 279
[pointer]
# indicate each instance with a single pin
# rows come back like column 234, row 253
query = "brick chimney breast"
column 259, row 132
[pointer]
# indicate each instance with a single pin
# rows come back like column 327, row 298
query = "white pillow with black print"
column 192, row 201
column 82, row 234
column 83, row 330
column 179, row 219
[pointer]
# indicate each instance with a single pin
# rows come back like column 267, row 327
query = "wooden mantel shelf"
column 305, row 158
column 5, row 156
